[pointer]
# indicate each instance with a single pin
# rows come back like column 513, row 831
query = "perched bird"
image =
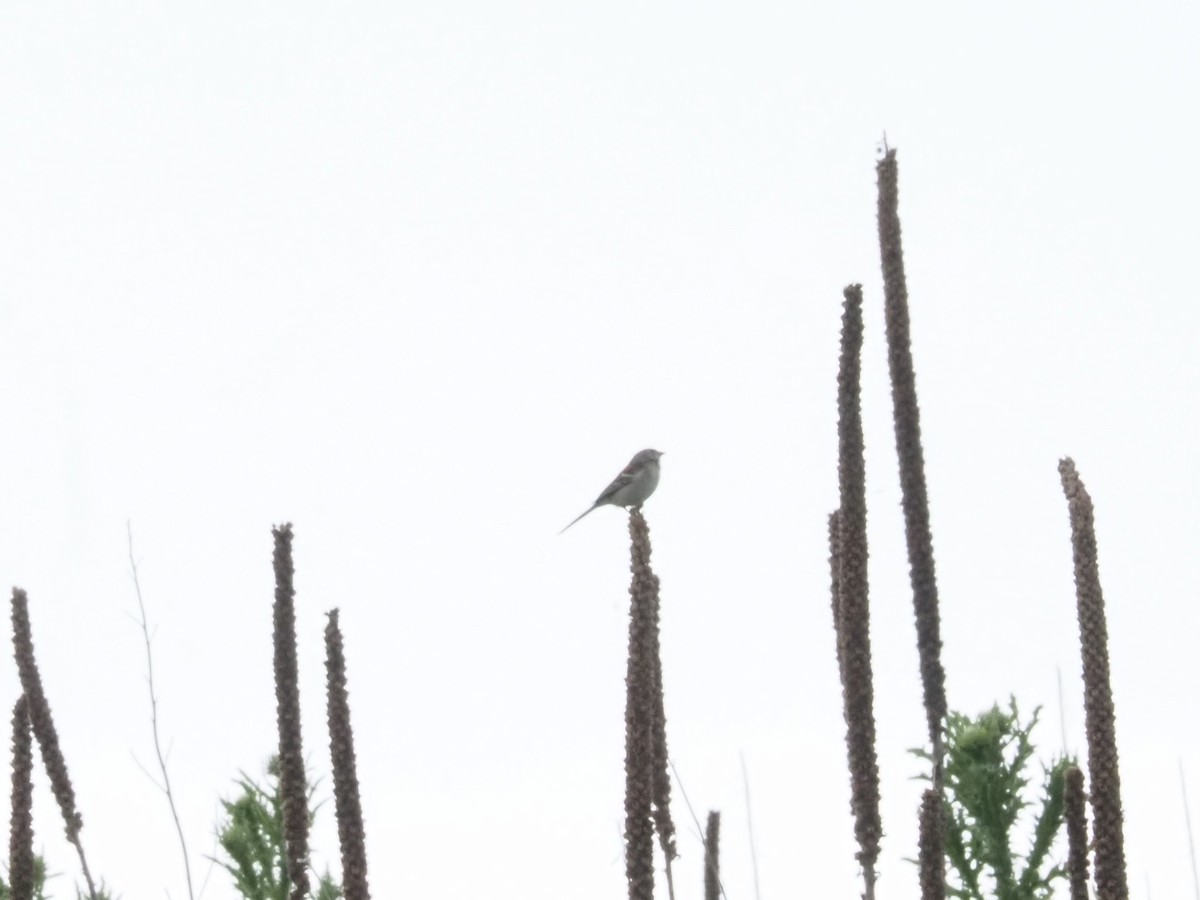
column 636, row 482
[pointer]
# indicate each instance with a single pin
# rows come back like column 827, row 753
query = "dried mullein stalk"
column 712, row 857
column 854, row 616
column 1075, row 816
column 640, row 564
column 906, row 418
column 1099, row 715
column 292, row 781
column 42, row 723
column 20, row 835
column 835, row 562
column 40, row 716
column 641, row 708
column 932, row 849
column 347, row 803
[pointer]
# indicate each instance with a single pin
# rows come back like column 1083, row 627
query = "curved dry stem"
column 692, row 813
column 749, row 825
column 165, row 787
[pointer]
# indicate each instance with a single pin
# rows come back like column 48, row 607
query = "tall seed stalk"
column 42, row 722
column 850, row 583
column 906, row 421
column 712, row 856
column 647, row 785
column 1075, row 815
column 346, row 799
column 287, row 704
column 931, row 846
column 20, row 832
column 1099, row 715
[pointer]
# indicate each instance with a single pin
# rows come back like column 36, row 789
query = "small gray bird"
column 636, row 482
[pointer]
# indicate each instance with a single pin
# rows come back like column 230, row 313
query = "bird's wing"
column 628, row 474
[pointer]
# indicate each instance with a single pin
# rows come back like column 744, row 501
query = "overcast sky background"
column 420, row 278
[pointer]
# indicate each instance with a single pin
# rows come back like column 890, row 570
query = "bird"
column 632, row 487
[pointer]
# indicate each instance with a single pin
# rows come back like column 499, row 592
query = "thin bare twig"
column 750, row 823
column 87, row 873
column 212, row 864
column 165, row 787
column 149, row 775
column 1187, row 818
column 670, row 878
column 692, row 813
column 1062, row 716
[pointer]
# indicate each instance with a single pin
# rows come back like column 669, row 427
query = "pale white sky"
column 421, row 278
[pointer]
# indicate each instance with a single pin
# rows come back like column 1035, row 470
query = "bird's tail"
column 580, row 516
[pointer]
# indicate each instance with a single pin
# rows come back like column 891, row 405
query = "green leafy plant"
column 40, row 877
column 39, row 882
column 986, row 781
column 251, row 835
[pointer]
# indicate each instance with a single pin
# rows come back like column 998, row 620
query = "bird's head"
column 646, row 456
